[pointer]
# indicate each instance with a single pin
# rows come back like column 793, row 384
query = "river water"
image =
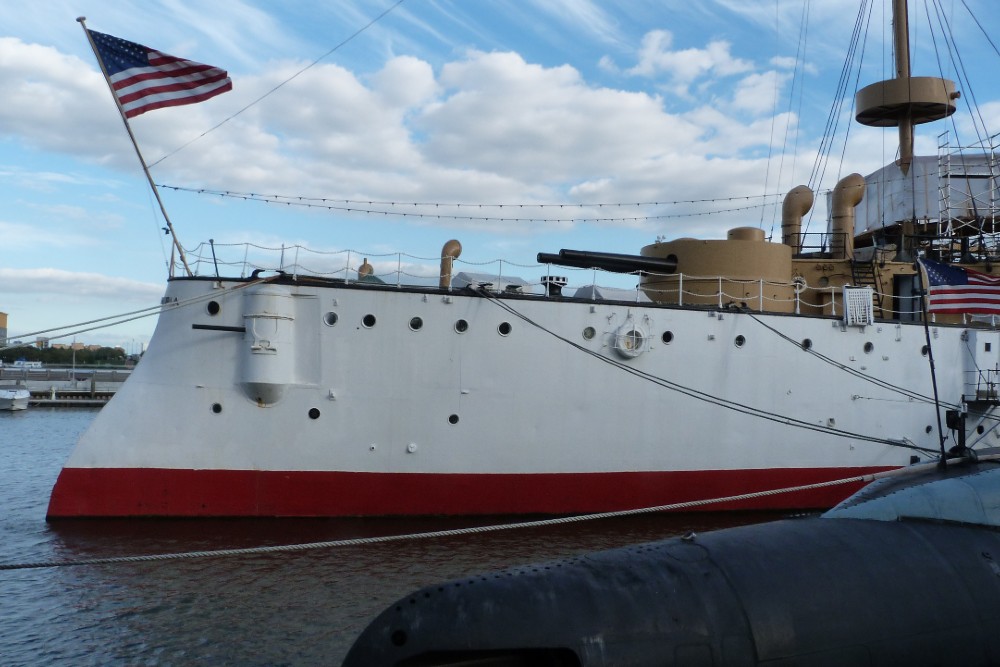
column 297, row 608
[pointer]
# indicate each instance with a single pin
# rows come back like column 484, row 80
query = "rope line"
column 306, row 202
column 280, row 85
column 494, row 528
column 520, row 205
column 112, row 320
column 847, row 369
column 706, row 397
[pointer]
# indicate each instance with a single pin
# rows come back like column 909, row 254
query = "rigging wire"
column 836, row 109
column 360, row 206
column 975, row 112
column 280, row 85
column 122, row 318
column 774, row 117
column 475, row 530
column 130, row 316
column 705, row 396
column 308, row 202
column 980, row 25
column 804, row 36
column 857, row 83
column 375, row 202
column 796, row 77
column 847, row 369
column 960, row 73
column 455, row 532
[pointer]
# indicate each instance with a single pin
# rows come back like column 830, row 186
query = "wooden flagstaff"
column 128, row 128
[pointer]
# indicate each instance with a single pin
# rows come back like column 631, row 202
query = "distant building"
column 3, row 328
column 41, row 342
column 81, row 346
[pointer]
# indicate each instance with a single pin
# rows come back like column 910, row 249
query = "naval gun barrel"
column 608, row 261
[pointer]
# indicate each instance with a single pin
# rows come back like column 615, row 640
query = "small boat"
column 905, row 572
column 14, row 398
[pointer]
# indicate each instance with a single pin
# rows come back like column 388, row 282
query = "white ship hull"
column 268, row 408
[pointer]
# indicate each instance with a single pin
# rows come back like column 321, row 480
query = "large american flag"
column 954, row 289
column 144, row 79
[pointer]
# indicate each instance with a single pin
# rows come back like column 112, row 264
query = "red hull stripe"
column 119, row 492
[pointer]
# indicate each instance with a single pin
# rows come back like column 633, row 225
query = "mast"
column 145, row 169
column 901, row 46
column 906, row 100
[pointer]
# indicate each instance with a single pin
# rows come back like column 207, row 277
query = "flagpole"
column 128, row 128
column 924, row 289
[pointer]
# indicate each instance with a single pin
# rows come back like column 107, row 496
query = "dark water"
column 275, row 609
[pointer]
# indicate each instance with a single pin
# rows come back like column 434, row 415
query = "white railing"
column 403, row 269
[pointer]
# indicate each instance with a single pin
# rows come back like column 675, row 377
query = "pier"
column 69, row 398
column 66, row 387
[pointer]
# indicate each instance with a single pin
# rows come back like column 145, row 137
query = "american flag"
column 954, row 289
column 144, row 79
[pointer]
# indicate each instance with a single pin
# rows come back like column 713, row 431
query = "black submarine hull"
column 795, row 592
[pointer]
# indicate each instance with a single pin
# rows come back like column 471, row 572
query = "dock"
column 69, row 398
column 66, row 387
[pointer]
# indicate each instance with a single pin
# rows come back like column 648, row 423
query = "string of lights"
column 440, row 210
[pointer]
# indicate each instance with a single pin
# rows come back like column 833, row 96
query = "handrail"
column 401, row 269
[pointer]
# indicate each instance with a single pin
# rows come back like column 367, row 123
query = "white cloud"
column 683, row 67
column 758, row 93
column 55, row 102
column 48, row 281
column 24, row 236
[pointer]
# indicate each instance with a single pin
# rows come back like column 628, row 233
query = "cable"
column 307, row 202
column 706, row 397
column 473, row 530
column 847, row 369
column 284, row 548
column 127, row 317
column 521, row 205
column 289, row 79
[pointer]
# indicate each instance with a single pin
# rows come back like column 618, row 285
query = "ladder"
column 864, row 274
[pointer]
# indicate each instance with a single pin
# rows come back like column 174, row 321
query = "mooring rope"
column 281, row 548
column 455, row 532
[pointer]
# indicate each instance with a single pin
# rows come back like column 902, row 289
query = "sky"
column 514, row 126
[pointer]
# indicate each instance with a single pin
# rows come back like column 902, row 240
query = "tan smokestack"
column 846, row 195
column 451, row 250
column 797, row 203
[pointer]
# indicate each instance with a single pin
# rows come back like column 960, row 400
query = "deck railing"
column 403, row 269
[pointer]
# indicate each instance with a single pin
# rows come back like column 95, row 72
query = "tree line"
column 104, row 356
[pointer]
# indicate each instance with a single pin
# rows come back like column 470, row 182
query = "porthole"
column 739, row 341
column 368, row 321
column 216, row 408
column 923, row 350
column 504, row 328
column 807, row 343
column 869, row 347
column 461, row 326
column 630, row 342
column 330, row 318
column 928, row 429
column 667, row 336
column 416, row 323
column 453, row 419
column 313, row 413
column 589, row 333
column 980, row 429
column 214, row 308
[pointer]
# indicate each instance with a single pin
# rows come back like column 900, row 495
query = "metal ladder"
column 864, row 274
